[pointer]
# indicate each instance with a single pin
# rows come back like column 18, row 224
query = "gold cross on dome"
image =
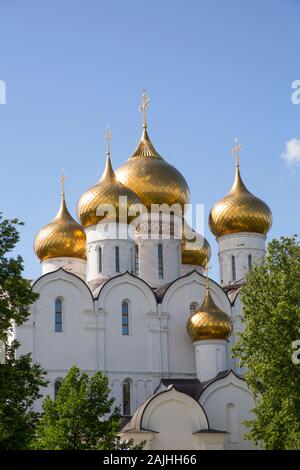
column 62, row 180
column 236, row 149
column 143, row 107
column 108, row 135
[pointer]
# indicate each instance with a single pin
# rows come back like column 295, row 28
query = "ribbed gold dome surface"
column 153, row 179
column 240, row 211
column 106, row 191
column 209, row 321
column 63, row 237
column 195, row 248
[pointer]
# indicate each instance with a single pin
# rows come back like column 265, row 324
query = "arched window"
column 193, row 308
column 233, row 268
column 117, row 253
column 57, row 385
column 160, row 261
column 126, row 398
column 125, row 318
column 249, row 262
column 136, row 260
column 58, row 316
column 100, row 259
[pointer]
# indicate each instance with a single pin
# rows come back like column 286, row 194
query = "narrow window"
column 58, row 316
column 100, row 259
column 126, row 398
column 136, row 259
column 193, row 308
column 249, row 262
column 233, row 268
column 125, row 318
column 117, row 251
column 160, row 261
column 57, row 387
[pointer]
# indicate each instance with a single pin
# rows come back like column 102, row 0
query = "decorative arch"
column 61, row 274
column 231, row 378
column 131, row 280
column 199, row 279
column 143, row 417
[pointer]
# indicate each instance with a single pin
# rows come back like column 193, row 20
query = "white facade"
column 156, row 347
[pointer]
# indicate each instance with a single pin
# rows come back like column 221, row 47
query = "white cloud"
column 292, row 152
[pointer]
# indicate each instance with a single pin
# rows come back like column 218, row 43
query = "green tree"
column 80, row 417
column 20, row 380
column 271, row 320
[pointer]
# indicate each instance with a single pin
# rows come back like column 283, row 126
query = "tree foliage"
column 20, row 380
column 80, row 417
column 271, row 320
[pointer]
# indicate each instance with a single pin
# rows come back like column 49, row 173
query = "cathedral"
column 130, row 296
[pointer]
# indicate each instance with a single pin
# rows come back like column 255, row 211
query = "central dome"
column 153, row 179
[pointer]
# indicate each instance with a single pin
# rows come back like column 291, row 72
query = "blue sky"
column 214, row 70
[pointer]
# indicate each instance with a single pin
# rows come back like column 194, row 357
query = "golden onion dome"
column 106, row 192
column 153, row 179
column 209, row 321
column 62, row 237
column 195, row 248
column 240, row 211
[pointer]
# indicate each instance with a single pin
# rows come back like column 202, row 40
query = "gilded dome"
column 62, row 237
column 106, row 191
column 195, row 248
column 153, row 179
column 209, row 321
column 240, row 211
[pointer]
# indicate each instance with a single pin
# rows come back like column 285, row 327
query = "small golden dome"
column 63, row 237
column 106, row 191
column 195, row 248
column 240, row 211
column 153, row 179
column 209, row 321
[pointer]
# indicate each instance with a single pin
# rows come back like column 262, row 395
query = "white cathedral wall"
column 176, row 305
column 227, row 403
column 158, row 344
column 75, row 345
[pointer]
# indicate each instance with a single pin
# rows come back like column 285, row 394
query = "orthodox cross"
column 62, row 180
column 143, row 107
column 108, row 138
column 236, row 149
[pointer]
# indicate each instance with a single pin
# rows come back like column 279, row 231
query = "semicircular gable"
column 136, row 282
column 171, row 401
column 230, row 379
column 65, row 276
column 198, row 278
